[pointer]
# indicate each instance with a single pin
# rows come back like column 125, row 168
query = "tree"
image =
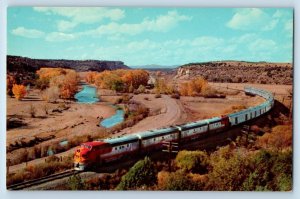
column 19, row 91
column 180, row 181
column 228, row 170
column 193, row 87
column 69, row 86
column 195, row 161
column 143, row 173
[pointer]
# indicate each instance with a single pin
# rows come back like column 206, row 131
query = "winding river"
column 88, row 95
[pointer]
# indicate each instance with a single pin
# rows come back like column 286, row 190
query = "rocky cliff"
column 239, row 72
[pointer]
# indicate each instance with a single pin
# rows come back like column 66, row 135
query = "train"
column 111, row 149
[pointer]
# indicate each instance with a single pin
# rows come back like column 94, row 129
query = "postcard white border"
column 134, row 194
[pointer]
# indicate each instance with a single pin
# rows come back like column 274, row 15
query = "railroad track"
column 41, row 180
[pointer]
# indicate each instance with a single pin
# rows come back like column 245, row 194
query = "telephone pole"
column 170, row 147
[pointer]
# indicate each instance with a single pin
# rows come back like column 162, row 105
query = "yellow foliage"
column 193, row 87
column 19, row 91
column 65, row 79
column 125, row 79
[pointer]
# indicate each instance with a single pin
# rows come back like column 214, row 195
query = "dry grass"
column 50, row 166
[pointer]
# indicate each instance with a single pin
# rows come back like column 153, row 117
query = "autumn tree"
column 69, row 86
column 281, row 137
column 193, row 87
column 121, row 80
column 19, row 91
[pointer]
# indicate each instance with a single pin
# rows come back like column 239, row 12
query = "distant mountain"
column 155, row 66
column 23, row 64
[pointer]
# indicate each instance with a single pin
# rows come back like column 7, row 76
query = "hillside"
column 239, row 72
column 23, row 64
column 23, row 68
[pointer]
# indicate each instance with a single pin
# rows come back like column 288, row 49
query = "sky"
column 143, row 36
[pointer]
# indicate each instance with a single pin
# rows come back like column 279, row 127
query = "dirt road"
column 170, row 112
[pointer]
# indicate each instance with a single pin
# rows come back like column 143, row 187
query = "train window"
column 236, row 120
column 127, row 145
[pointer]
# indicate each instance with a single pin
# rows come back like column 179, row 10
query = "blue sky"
column 141, row 36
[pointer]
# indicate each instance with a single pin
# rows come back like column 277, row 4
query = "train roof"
column 193, row 124
column 122, row 140
column 157, row 132
column 214, row 119
column 94, row 143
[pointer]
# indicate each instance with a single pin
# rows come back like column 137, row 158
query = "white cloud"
column 253, row 19
column 65, row 25
column 266, row 45
column 78, row 15
column 207, row 41
column 288, row 26
column 59, row 37
column 162, row 23
column 29, row 33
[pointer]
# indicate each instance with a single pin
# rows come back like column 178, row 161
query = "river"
column 88, row 95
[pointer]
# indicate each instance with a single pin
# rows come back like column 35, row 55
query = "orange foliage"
column 279, row 138
column 19, row 91
column 69, row 87
column 193, row 87
column 65, row 79
column 120, row 78
column 48, row 73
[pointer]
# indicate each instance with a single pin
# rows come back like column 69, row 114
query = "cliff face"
column 24, row 64
column 239, row 72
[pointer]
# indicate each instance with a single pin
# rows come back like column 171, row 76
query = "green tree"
column 229, row 169
column 143, row 173
column 195, row 161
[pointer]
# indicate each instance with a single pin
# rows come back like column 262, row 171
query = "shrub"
column 141, row 89
column 193, row 87
column 51, row 94
column 19, row 91
column 175, row 96
column 46, row 108
column 32, row 110
column 143, row 173
column 279, row 138
column 195, row 161
column 157, row 96
column 177, row 181
column 75, row 182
